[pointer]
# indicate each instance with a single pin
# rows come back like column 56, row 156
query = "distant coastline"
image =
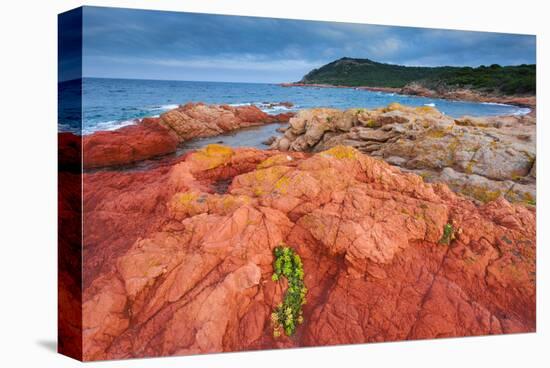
column 514, row 84
column 462, row 94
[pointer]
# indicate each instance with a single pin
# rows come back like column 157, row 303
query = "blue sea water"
column 108, row 104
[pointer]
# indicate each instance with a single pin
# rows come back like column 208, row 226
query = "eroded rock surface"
column 483, row 158
column 178, row 259
column 153, row 137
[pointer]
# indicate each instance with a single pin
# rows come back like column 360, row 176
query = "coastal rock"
column 465, row 94
column 269, row 141
column 483, row 189
column 176, row 263
column 197, row 120
column 153, row 137
column 127, row 145
column 499, row 149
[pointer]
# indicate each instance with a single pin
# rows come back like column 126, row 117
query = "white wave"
column 108, row 125
column 522, row 111
column 267, row 107
column 276, row 108
column 164, row 107
column 496, row 104
column 431, row 104
column 241, row 104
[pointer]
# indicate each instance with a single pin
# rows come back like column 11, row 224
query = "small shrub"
column 448, row 234
column 288, row 314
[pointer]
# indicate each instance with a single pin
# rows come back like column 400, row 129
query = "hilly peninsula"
column 517, row 80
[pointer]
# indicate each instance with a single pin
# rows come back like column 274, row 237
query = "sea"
column 108, row 104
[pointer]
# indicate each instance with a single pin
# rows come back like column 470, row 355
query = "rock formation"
column 153, row 137
column 178, row 258
column 483, row 158
column 465, row 94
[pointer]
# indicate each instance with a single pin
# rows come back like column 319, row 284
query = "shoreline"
column 159, row 136
column 506, row 163
column 152, row 138
column 417, row 90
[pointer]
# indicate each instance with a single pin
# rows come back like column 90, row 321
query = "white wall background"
column 28, row 202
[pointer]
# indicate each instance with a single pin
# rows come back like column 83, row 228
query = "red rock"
column 127, row 145
column 283, row 117
column 195, row 120
column 153, row 137
column 175, row 265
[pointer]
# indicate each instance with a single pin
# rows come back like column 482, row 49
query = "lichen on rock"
column 179, row 268
column 425, row 141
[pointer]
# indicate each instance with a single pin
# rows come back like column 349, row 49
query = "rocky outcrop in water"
column 178, row 259
column 483, row 158
column 153, row 137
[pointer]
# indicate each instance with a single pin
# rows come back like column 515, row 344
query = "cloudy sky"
column 121, row 43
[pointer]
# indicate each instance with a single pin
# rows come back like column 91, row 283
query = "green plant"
column 288, row 314
column 448, row 234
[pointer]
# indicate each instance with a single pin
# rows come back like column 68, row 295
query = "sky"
column 144, row 44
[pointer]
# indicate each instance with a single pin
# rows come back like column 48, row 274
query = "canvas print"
column 232, row 183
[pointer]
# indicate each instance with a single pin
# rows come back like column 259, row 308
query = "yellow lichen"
column 426, row 109
column 470, row 167
column 341, row 152
column 213, row 155
column 452, row 147
column 281, row 185
column 371, row 124
column 436, row 133
column 482, row 194
column 190, row 203
column 258, row 192
column 228, row 203
column 187, row 197
column 274, row 160
column 265, row 181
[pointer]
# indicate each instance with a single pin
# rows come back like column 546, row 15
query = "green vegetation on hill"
column 509, row 80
